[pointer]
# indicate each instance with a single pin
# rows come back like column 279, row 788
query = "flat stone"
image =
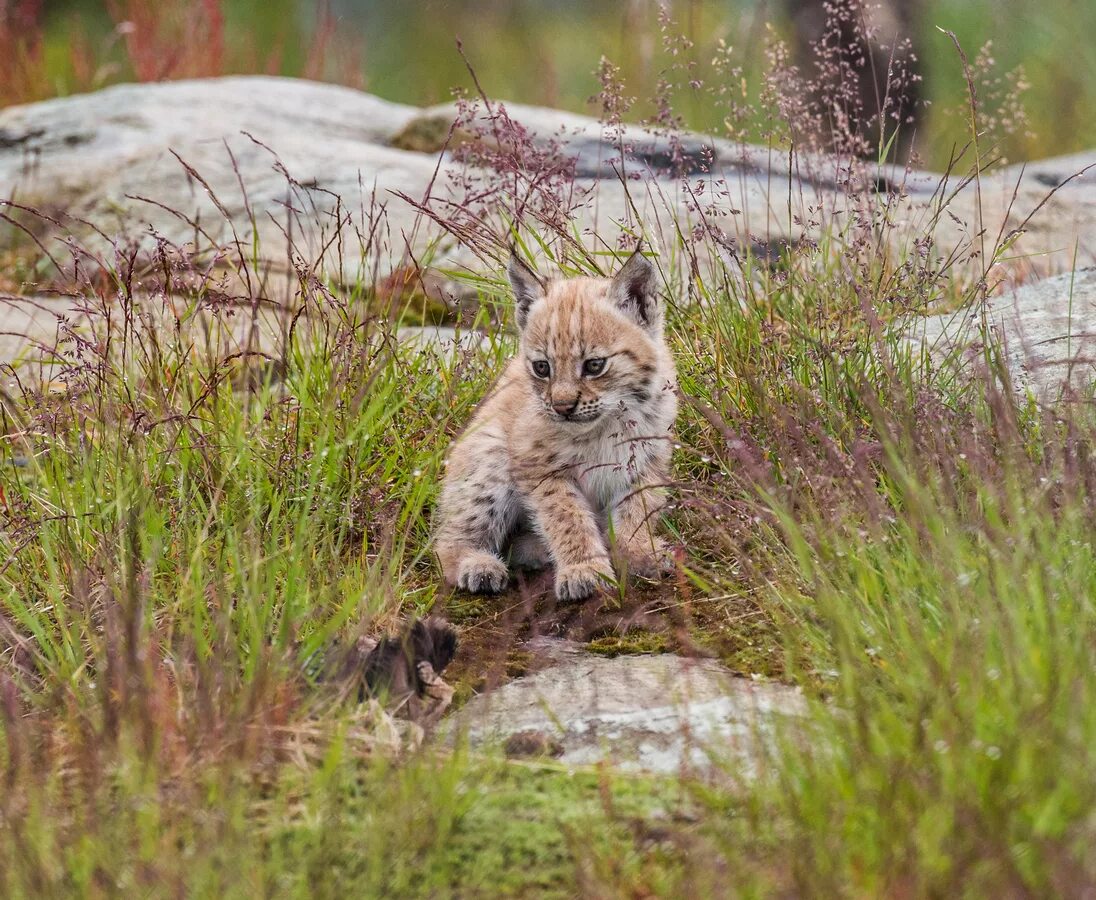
column 595, row 150
column 242, row 156
column 1046, row 330
column 663, row 714
column 236, row 157
column 31, row 327
column 302, row 176
column 441, row 339
column 43, row 335
column 1074, row 173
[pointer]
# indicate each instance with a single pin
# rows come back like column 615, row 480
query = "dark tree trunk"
column 860, row 58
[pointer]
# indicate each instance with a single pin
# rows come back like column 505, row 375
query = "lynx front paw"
column 482, row 574
column 582, row 580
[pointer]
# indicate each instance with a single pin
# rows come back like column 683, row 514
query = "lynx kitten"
column 564, row 458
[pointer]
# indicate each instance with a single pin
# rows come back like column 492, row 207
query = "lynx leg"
column 478, row 512
column 634, row 521
column 569, row 527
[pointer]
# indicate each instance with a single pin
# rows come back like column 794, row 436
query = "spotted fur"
column 564, row 460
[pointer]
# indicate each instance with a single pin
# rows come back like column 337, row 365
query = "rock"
column 119, row 158
column 60, row 149
column 320, row 181
column 610, row 152
column 46, row 333
column 30, row 328
column 660, row 713
column 1074, row 173
column 441, row 340
column 596, row 151
column 1046, row 330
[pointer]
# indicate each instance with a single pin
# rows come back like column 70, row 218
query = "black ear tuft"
column 634, row 290
column 434, row 640
column 390, row 665
column 527, row 287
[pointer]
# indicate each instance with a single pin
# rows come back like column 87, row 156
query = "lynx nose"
column 565, row 406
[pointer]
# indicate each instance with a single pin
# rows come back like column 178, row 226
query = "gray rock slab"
column 41, row 335
column 318, row 149
column 440, row 339
column 75, row 141
column 260, row 151
column 31, row 327
column 602, row 151
column 303, row 174
column 663, row 714
column 1074, row 173
column 1045, row 329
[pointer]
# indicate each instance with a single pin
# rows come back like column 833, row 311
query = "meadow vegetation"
column 187, row 518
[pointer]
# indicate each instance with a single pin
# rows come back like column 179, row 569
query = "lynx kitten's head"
column 591, row 346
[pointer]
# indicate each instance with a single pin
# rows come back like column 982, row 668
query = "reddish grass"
column 157, row 41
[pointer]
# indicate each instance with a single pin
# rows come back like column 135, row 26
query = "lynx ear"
column 527, row 287
column 635, row 291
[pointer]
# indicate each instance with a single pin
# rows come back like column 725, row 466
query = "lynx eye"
column 593, row 367
column 541, row 368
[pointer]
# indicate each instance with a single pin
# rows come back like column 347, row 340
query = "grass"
column 428, row 828
column 915, row 554
column 200, row 561
column 187, row 517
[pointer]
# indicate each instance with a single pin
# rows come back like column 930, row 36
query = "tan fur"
column 563, row 469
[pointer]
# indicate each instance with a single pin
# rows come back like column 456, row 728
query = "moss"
column 629, row 644
column 531, row 830
column 409, row 295
column 471, row 673
column 463, row 691
column 462, row 609
column 433, row 133
column 417, row 308
column 448, row 826
column 750, row 646
column 518, row 663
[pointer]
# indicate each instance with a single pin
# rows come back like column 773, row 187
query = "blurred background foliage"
column 547, row 52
